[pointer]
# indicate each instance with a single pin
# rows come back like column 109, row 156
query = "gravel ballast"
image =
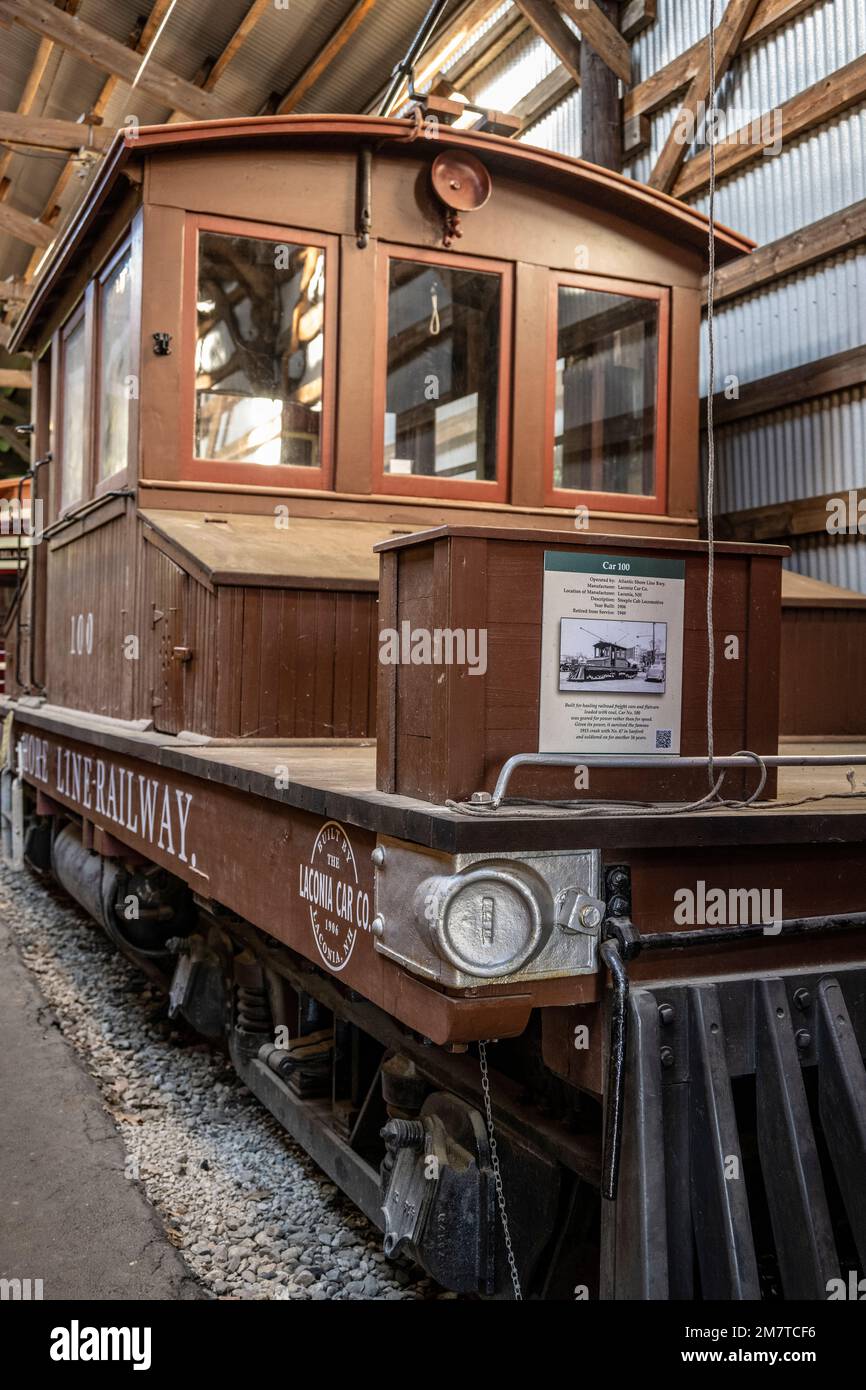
column 252, row 1215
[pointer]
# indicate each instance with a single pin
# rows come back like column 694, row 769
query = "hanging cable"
column 711, row 442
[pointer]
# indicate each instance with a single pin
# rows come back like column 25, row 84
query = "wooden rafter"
column 550, row 26
column 31, row 88
column 14, row 379
column 52, row 134
column 487, row 48
column 13, row 291
column 822, row 102
column 735, row 21
column 840, row 372
column 803, row 516
column 25, row 228
column 668, row 82
column 600, row 33
column 326, row 55
column 446, row 42
column 236, row 42
column 51, row 210
column 96, row 48
column 546, row 94
column 818, row 241
column 18, row 446
column 636, row 16
column 13, row 410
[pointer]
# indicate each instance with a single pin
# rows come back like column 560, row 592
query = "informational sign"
column 611, row 654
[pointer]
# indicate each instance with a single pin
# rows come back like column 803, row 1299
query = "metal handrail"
column 739, row 761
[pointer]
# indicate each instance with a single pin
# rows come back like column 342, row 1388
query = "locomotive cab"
column 265, row 346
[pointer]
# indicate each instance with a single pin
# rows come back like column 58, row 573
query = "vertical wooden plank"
column 269, row 659
column 305, row 683
column 323, row 688
column 161, row 377
column 532, row 389
column 356, row 403
column 463, row 686
column 684, row 440
column 248, row 657
column 287, row 674
column 386, row 676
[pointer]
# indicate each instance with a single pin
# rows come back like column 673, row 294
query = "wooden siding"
column 823, row 672
column 446, row 735
column 91, row 578
column 227, row 661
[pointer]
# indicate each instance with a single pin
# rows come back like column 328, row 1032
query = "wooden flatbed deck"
column 337, row 780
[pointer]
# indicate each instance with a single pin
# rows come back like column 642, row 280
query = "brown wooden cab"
column 244, row 387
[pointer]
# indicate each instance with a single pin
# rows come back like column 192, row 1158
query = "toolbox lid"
column 242, row 549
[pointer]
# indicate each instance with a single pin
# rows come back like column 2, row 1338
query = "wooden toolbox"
column 444, row 732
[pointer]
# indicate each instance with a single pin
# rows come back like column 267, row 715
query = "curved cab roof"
column 568, row 175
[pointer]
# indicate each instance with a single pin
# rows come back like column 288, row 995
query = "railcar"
column 326, row 408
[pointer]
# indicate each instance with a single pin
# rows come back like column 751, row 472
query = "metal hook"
column 435, row 322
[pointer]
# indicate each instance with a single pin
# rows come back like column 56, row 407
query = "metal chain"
column 497, row 1174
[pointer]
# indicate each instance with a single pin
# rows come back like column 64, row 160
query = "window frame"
column 81, row 315
column 654, row 503
column 116, row 479
column 258, row 476
column 425, row 485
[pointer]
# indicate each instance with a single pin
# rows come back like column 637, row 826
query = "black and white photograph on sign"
column 612, row 657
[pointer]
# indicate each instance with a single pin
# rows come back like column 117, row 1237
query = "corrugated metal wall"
column 820, row 446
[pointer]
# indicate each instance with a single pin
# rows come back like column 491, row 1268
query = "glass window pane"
column 443, row 372
column 72, row 462
column 115, row 365
column 606, row 392
column 259, row 351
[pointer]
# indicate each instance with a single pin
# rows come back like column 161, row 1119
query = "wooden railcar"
column 296, row 441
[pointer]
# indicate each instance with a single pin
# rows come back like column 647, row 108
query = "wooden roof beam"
column 805, row 247
column 729, row 34
column 446, row 42
column 25, row 228
column 507, row 30
column 96, row 48
column 39, row 131
column 546, row 94
column 802, row 516
column 636, row 16
column 15, row 379
column 13, row 291
column 325, row 56
column 600, row 33
column 18, row 446
column 550, row 26
column 840, row 372
column 663, row 86
column 139, row 43
column 822, row 102
column 236, row 42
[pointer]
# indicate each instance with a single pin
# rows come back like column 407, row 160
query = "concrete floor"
column 68, row 1215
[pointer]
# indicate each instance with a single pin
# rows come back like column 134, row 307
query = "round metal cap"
column 461, row 181
column 486, row 922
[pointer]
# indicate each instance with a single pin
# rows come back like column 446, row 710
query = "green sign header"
column 643, row 567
